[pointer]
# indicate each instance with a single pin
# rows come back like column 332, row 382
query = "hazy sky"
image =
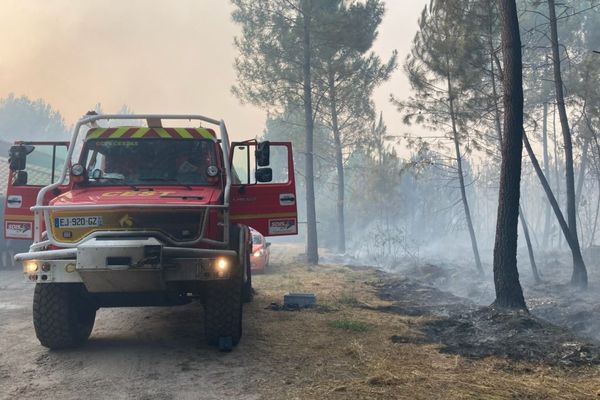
column 155, row 56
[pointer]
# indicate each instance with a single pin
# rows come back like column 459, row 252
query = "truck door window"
column 44, row 164
column 60, row 159
column 241, row 165
column 244, row 164
column 279, row 164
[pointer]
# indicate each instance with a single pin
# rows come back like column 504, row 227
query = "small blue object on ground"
column 299, row 300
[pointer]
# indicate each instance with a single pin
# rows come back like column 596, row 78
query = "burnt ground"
column 562, row 328
column 465, row 329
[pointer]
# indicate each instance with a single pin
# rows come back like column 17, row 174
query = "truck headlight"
column 222, row 264
column 31, row 267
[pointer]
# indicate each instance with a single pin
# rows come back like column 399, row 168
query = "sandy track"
column 133, row 353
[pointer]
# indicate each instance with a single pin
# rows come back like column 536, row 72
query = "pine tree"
column 444, row 77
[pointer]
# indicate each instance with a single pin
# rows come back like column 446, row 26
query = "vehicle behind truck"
column 146, row 216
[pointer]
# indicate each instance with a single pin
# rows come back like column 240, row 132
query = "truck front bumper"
column 126, row 265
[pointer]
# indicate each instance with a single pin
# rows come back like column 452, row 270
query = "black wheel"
column 63, row 315
column 223, row 303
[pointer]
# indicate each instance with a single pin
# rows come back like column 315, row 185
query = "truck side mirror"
column 17, row 157
column 20, row 178
column 264, row 175
column 263, row 153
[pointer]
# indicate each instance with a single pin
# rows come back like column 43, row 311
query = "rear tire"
column 63, row 315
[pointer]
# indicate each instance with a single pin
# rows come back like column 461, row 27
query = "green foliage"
column 270, row 63
column 444, row 65
column 348, row 73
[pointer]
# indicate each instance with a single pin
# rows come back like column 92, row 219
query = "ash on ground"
column 463, row 327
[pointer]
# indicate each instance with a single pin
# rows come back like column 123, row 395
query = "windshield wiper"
column 167, row 180
column 116, row 178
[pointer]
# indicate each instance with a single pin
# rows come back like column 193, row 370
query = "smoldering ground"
column 561, row 328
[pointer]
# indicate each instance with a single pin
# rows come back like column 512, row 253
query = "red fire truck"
column 145, row 216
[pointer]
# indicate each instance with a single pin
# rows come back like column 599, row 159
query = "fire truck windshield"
column 150, row 161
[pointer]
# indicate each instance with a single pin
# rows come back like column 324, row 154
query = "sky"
column 159, row 56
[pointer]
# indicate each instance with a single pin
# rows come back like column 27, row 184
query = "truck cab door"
column 33, row 165
column 263, row 191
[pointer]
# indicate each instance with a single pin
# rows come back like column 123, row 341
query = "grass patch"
column 349, row 299
column 350, row 325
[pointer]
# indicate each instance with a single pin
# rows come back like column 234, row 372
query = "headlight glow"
column 31, row 267
column 222, row 264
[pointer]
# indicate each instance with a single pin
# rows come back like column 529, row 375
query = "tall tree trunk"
column 582, row 168
column 579, row 277
column 534, row 269
column 498, row 125
column 580, row 182
column 339, row 163
column 461, row 179
column 595, row 226
column 509, row 293
column 557, row 166
column 597, row 145
column 575, row 250
column 312, row 249
column 547, row 220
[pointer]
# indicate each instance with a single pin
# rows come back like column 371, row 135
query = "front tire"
column 63, row 315
column 223, row 313
column 223, row 301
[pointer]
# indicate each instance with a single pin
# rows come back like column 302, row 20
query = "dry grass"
column 314, row 354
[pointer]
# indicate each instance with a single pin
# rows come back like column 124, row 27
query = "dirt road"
column 343, row 349
column 143, row 353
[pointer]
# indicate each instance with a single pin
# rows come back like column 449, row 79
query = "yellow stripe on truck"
column 18, row 217
column 183, row 133
column 162, row 133
column 260, row 216
column 96, row 133
column 205, row 133
column 140, row 133
column 119, row 132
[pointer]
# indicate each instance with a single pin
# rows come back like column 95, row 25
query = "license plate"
column 77, row 222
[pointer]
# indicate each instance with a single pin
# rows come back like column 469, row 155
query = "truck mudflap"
column 133, row 265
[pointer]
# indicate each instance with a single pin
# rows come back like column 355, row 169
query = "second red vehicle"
column 259, row 259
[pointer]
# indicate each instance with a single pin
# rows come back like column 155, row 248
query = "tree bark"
column 312, row 250
column 461, row 179
column 575, row 250
column 579, row 277
column 509, row 293
column 547, row 220
column 339, row 164
column 534, row 269
column 498, row 125
column 582, row 168
column 557, row 166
